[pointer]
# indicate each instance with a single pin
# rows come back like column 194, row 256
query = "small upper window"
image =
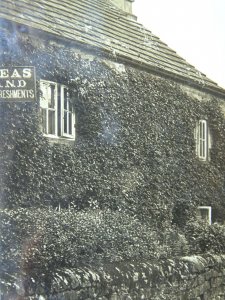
column 57, row 111
column 203, row 140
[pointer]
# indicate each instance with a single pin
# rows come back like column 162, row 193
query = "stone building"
column 144, row 122
column 103, row 121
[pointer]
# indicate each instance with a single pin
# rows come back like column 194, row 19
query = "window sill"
column 60, row 140
column 205, row 161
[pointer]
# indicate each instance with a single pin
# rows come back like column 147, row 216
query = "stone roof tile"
column 100, row 24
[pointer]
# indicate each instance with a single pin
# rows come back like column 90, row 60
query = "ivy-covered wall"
column 134, row 149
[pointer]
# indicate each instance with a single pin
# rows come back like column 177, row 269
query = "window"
column 49, row 107
column 205, row 213
column 66, row 113
column 57, row 111
column 203, row 140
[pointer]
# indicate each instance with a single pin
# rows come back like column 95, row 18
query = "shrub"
column 204, row 238
column 47, row 239
column 37, row 241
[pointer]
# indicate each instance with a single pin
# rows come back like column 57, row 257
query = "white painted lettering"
column 31, row 93
column 15, row 74
column 4, row 73
column 9, row 83
column 17, row 94
column 26, row 73
column 21, row 83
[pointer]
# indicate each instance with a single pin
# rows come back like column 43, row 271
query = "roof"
column 100, row 24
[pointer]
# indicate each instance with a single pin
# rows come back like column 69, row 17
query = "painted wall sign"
column 17, row 84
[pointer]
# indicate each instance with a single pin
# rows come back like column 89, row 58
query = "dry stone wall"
column 194, row 278
column 185, row 278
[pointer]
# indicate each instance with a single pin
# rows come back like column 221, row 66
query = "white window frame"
column 68, row 112
column 202, row 140
column 47, row 108
column 209, row 210
column 59, row 111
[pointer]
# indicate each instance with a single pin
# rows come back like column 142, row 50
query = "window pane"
column 65, row 122
column 203, row 149
column 202, row 139
column 44, row 96
column 70, row 105
column 44, row 120
column 200, row 148
column 51, row 100
column 200, row 130
column 70, row 123
column 66, row 99
column 51, row 122
column 203, row 130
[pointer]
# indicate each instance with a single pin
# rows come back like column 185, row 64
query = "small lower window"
column 58, row 117
column 205, row 213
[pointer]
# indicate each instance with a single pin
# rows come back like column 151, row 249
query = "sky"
column 195, row 29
